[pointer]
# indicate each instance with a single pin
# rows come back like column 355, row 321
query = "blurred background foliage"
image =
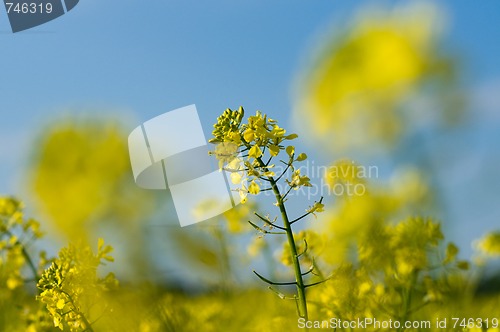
column 81, row 176
column 374, row 89
column 379, row 79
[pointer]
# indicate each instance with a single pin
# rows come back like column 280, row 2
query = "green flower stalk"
column 247, row 150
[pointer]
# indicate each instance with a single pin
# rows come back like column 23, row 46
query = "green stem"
column 301, row 290
column 26, row 255
column 30, row 263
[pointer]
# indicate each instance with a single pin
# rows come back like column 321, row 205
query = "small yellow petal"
column 100, row 243
column 254, row 188
column 255, row 152
column 60, row 304
column 274, row 150
column 248, row 135
column 236, row 177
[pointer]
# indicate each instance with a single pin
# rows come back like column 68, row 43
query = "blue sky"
column 143, row 58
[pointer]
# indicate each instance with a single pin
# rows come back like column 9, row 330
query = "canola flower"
column 234, row 216
column 400, row 270
column 393, row 272
column 489, row 245
column 67, row 285
column 247, row 150
column 20, row 269
column 387, row 265
column 384, row 264
column 70, row 287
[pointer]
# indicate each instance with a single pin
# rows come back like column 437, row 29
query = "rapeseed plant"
column 247, row 150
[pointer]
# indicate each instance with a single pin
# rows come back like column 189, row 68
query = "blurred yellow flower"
column 490, row 244
column 356, row 89
column 255, row 152
column 71, row 290
column 253, row 188
column 81, row 174
column 256, row 246
column 237, row 217
column 344, row 170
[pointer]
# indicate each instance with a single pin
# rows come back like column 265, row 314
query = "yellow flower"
column 355, row 90
column 243, row 196
column 225, row 152
column 238, row 216
column 60, row 304
column 236, row 177
column 255, row 152
column 277, row 132
column 253, row 188
column 317, row 207
column 14, row 282
column 298, row 180
column 490, row 244
column 71, row 283
column 256, row 246
column 274, row 150
column 344, row 171
column 249, row 135
column 81, row 175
